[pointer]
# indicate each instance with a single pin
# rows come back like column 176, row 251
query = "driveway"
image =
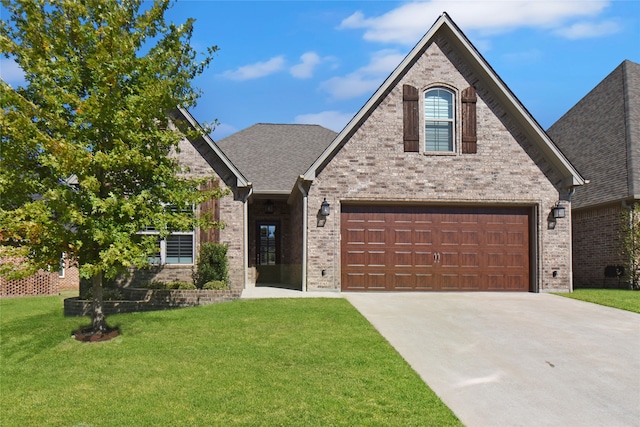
column 516, row 359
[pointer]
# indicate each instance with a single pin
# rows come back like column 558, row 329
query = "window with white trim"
column 176, row 248
column 439, row 120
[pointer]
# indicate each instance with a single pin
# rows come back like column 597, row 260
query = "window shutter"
column 213, row 234
column 411, row 119
column 469, row 125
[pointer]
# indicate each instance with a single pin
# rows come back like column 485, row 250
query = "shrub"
column 180, row 285
column 108, row 294
column 212, row 264
column 215, row 285
column 155, row 284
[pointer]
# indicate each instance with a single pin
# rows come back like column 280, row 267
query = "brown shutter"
column 211, row 235
column 469, row 125
column 411, row 119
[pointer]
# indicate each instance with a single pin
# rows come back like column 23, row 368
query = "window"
column 438, row 120
column 176, row 248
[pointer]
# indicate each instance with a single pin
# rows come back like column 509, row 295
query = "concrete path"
column 516, row 359
column 273, row 292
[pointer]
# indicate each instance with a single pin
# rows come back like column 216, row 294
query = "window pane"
column 439, row 136
column 438, row 104
column 179, row 249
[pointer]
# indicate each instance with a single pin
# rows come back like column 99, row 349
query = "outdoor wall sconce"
column 268, row 207
column 557, row 212
column 325, row 208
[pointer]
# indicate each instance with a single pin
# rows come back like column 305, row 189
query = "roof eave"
column 240, row 180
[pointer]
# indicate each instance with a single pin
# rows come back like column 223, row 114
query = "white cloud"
column 365, row 79
column 333, row 120
column 409, row 22
column 256, row 70
column 583, row 30
column 11, row 72
column 223, row 130
column 304, row 69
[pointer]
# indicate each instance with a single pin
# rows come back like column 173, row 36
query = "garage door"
column 424, row 248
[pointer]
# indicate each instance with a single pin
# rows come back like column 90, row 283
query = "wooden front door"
column 429, row 248
column 268, row 252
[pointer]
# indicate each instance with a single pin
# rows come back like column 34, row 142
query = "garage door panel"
column 435, row 248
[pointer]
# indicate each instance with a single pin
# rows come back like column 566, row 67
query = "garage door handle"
column 436, row 257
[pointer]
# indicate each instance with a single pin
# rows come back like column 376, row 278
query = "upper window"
column 438, row 120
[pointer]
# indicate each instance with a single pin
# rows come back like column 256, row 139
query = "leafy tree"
column 631, row 242
column 87, row 155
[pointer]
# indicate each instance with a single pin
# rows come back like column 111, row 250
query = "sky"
column 319, row 62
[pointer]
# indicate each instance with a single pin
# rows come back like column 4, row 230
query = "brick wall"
column 596, row 245
column 152, row 300
column 231, row 213
column 373, row 167
column 41, row 283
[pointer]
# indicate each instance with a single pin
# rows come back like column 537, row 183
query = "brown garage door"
column 424, row 248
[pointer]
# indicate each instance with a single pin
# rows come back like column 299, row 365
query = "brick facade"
column 372, row 167
column 596, row 245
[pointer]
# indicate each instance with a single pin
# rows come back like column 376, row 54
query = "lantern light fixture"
column 325, row 208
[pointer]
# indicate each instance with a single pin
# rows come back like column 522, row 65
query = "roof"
column 273, row 156
column 601, row 135
column 227, row 171
column 447, row 28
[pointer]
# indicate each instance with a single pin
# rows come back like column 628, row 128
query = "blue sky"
column 319, row 61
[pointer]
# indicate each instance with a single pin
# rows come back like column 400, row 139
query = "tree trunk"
column 98, row 320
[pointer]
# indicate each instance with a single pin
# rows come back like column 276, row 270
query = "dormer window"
column 439, row 120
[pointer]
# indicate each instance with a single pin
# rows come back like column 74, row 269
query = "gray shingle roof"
column 272, row 156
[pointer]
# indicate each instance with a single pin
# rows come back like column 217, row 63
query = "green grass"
column 618, row 298
column 254, row 362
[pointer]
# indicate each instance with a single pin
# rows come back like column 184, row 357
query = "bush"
column 155, row 284
column 212, row 264
column 215, row 285
column 108, row 294
column 185, row 286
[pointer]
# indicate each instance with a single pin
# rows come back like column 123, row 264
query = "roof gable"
column 218, row 161
column 446, row 27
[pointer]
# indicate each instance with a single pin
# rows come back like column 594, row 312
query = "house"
column 601, row 136
column 42, row 282
column 441, row 182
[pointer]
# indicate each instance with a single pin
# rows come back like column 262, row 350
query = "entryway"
column 268, row 253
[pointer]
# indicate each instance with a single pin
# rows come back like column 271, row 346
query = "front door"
column 268, row 252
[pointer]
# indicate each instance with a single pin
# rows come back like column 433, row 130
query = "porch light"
column 557, row 212
column 268, row 207
column 325, row 208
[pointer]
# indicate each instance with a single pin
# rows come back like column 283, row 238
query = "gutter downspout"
column 572, row 190
column 305, row 209
column 245, row 235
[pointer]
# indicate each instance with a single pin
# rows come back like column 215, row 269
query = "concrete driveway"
column 516, row 359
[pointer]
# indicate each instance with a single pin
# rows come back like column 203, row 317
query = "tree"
column 87, row 155
column 630, row 226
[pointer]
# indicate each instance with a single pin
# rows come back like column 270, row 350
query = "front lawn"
column 618, row 298
column 253, row 362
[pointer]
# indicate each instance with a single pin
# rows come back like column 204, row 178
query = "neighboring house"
column 442, row 181
column 43, row 282
column 601, row 136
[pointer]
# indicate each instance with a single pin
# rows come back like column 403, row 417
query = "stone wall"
column 152, row 300
column 507, row 170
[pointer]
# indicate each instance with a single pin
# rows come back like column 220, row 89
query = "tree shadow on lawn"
column 28, row 336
